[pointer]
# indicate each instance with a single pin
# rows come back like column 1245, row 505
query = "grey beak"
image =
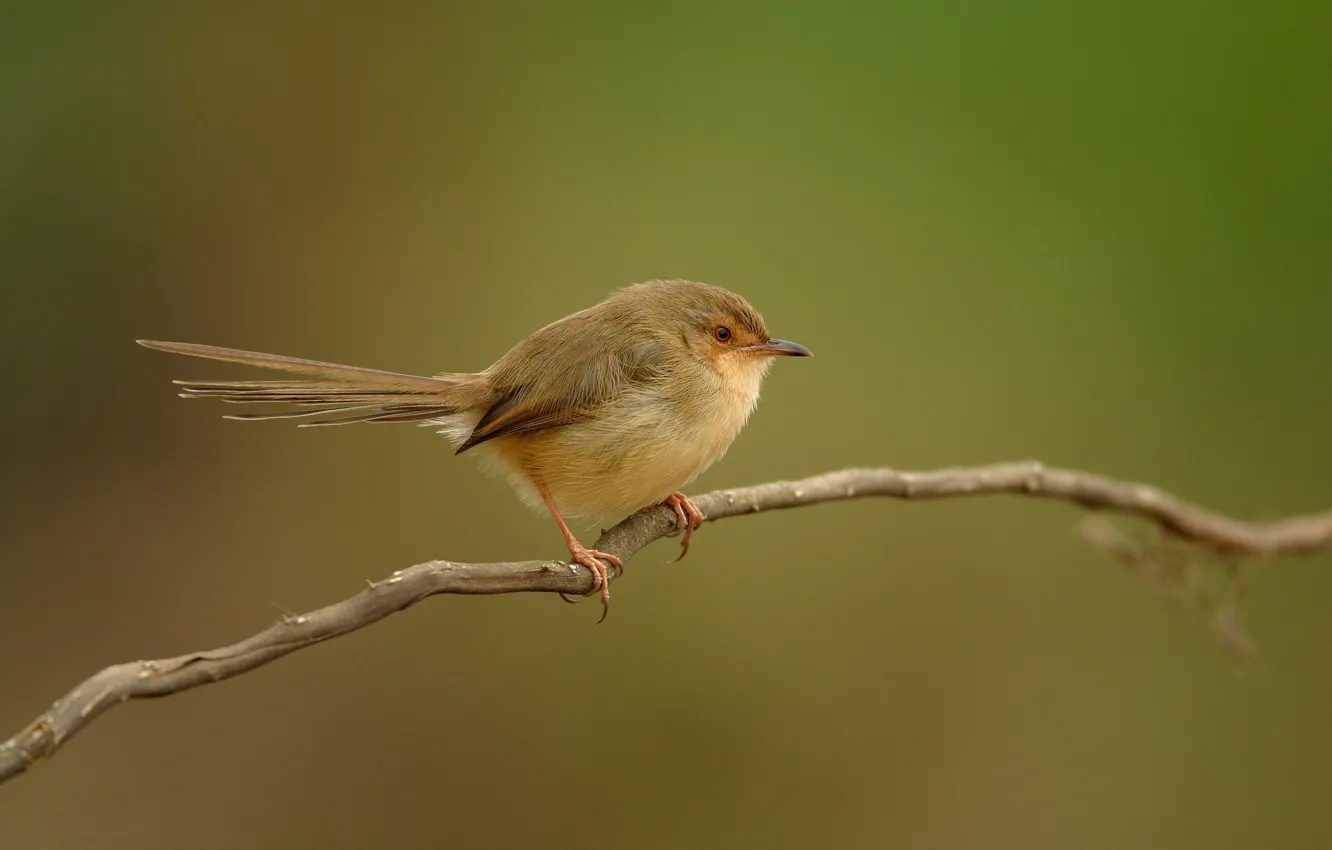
column 782, row 347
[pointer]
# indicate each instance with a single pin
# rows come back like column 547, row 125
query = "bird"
column 612, row 409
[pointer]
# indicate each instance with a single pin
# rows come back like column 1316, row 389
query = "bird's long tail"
column 340, row 394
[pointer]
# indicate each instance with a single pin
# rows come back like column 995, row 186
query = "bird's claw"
column 592, row 559
column 688, row 517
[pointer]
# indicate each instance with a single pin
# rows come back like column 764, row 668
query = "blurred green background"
column 1097, row 234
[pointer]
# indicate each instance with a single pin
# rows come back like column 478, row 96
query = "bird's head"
column 715, row 325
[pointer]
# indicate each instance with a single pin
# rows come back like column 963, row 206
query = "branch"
column 165, row 676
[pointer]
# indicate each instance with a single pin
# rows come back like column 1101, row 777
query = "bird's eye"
column 722, row 333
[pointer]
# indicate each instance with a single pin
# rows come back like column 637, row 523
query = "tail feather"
column 292, row 414
column 397, row 413
column 334, row 371
column 368, row 395
column 298, row 396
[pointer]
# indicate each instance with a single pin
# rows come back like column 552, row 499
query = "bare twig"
column 1184, row 521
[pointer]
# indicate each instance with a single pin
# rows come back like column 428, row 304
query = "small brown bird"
column 612, row 409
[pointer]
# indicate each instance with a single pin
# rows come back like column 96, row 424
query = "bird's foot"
column 688, row 518
column 592, row 559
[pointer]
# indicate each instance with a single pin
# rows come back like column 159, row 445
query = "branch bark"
column 404, row 588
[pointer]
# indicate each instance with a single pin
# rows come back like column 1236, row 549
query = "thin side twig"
column 404, row 588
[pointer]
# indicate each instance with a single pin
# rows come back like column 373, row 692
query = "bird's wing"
column 557, row 378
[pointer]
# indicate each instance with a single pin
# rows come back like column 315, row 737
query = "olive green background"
column 1096, row 234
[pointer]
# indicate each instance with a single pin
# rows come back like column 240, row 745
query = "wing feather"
column 538, row 393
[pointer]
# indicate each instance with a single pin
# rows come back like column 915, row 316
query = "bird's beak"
column 774, row 347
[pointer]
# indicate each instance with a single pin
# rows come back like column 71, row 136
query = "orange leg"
column 580, row 554
column 688, row 517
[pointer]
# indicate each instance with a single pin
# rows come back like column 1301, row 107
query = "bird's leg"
column 580, row 554
column 688, row 517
